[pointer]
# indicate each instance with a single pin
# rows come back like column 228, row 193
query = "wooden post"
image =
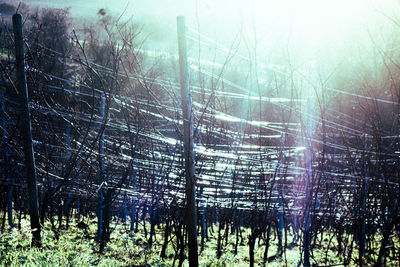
column 26, row 130
column 6, row 163
column 191, row 216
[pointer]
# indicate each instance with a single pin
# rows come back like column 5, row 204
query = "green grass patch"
column 77, row 247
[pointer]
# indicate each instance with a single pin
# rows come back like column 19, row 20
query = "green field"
column 77, row 247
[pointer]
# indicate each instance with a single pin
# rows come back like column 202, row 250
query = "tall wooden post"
column 191, row 216
column 26, row 131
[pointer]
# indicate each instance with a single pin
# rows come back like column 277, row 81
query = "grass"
column 5, row 55
column 76, row 247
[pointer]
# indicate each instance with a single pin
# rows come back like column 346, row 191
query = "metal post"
column 307, row 236
column 134, row 197
column 101, row 176
column 68, row 203
column 282, row 193
column 364, row 199
column 203, row 218
column 191, row 216
column 26, row 131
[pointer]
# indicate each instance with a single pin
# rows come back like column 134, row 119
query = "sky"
column 312, row 23
column 309, row 31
